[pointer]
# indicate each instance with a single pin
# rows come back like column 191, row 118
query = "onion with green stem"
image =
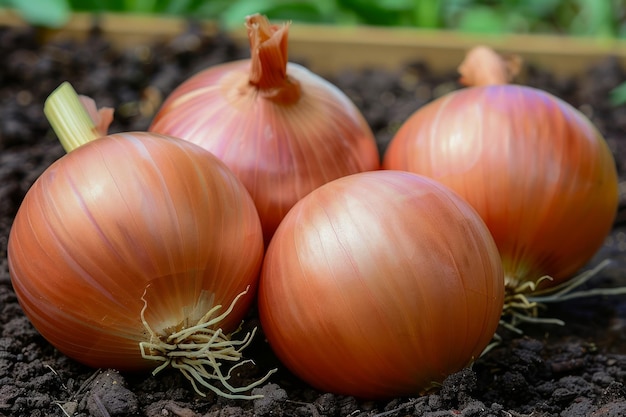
column 148, row 232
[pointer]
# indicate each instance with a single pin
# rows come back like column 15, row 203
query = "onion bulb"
column 127, row 251
column 282, row 129
column 537, row 171
column 380, row 284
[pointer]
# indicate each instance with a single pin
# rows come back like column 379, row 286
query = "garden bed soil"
column 574, row 370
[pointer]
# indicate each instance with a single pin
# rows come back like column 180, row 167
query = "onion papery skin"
column 280, row 151
column 127, row 219
column 537, row 171
column 380, row 284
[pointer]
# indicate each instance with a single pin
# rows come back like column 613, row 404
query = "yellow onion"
column 136, row 250
column 282, row 129
column 380, row 284
column 535, row 168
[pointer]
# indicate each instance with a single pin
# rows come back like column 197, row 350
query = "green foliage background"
column 598, row 18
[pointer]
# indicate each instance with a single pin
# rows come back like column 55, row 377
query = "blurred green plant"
column 617, row 96
column 51, row 13
column 600, row 18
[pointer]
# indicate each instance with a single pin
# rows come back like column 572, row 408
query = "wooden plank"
column 337, row 48
column 329, row 49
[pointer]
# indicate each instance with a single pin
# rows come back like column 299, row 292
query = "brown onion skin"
column 126, row 217
column 380, row 284
column 280, row 151
column 536, row 170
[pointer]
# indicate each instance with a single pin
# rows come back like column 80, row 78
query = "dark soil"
column 574, row 370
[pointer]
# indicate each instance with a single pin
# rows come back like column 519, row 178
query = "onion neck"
column 484, row 66
column 74, row 118
column 269, row 58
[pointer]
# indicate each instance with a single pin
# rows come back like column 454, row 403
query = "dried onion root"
column 197, row 351
column 522, row 304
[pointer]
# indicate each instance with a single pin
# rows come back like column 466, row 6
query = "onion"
column 536, row 170
column 380, row 284
column 127, row 251
column 282, row 129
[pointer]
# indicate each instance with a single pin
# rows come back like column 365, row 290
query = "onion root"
column 197, row 351
column 522, row 304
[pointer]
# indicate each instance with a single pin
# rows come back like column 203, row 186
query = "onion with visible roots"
column 137, row 250
column 537, row 171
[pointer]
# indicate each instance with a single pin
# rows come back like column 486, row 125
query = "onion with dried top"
column 535, row 168
column 136, row 251
column 282, row 129
column 380, row 284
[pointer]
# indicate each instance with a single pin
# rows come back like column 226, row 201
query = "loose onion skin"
column 127, row 221
column 536, row 170
column 282, row 129
column 380, row 284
